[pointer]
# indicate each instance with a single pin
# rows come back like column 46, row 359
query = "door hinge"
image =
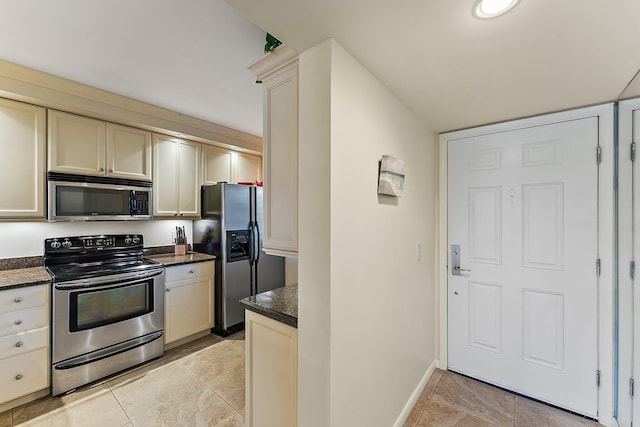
column 632, row 387
column 598, row 378
column 598, row 155
column 632, row 270
column 598, row 269
column 633, row 151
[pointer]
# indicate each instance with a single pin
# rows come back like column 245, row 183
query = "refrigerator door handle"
column 251, row 243
column 257, row 242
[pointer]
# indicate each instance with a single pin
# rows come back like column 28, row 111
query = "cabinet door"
column 76, row 144
column 188, row 308
column 22, row 164
column 281, row 162
column 272, row 372
column 216, row 165
column 189, row 179
column 128, row 152
column 165, row 175
column 248, row 168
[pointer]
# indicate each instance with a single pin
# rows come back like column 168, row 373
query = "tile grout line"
column 213, row 391
column 118, row 401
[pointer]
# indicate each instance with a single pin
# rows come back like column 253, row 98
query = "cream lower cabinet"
column 271, row 352
column 24, row 342
column 23, row 160
column 176, row 177
column 279, row 75
column 188, row 300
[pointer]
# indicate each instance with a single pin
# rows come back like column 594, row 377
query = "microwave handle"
column 132, row 202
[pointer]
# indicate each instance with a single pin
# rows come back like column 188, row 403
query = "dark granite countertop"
column 21, row 277
column 279, row 304
column 171, row 259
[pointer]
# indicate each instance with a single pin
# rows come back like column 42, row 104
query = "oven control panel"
column 99, row 242
column 92, row 243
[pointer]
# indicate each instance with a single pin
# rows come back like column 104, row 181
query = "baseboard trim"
column 406, row 411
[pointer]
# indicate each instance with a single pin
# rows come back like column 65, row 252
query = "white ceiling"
column 451, row 69
column 456, row 71
column 189, row 56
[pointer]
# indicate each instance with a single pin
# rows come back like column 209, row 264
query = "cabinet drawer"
column 21, row 298
column 23, row 320
column 23, row 342
column 24, row 374
column 188, row 271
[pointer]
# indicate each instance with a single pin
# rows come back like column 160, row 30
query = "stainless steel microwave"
column 93, row 198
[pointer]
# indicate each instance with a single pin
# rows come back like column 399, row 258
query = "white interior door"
column 523, row 206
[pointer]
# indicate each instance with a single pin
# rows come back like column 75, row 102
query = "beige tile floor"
column 198, row 384
column 454, row 400
column 202, row 384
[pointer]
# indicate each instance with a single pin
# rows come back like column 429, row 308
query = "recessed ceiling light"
column 485, row 9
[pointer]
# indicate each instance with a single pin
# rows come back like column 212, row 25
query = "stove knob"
column 66, row 244
column 55, row 245
column 136, row 240
column 127, row 240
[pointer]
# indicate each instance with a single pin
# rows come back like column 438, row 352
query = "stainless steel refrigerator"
column 231, row 229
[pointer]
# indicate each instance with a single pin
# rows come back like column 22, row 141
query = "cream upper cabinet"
column 128, row 152
column 76, row 144
column 216, row 164
column 281, row 160
column 23, row 161
column 176, row 177
column 248, row 168
column 87, row 146
column 189, row 178
column 222, row 165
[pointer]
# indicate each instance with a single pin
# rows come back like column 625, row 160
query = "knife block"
column 180, row 249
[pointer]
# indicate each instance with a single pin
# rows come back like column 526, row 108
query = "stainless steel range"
column 107, row 307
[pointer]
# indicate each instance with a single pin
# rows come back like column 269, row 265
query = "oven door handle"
column 109, row 351
column 107, row 282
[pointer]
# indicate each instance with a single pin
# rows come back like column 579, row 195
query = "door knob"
column 455, row 261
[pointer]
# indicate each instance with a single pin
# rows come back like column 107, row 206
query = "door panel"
column 237, row 285
column 237, row 213
column 523, row 206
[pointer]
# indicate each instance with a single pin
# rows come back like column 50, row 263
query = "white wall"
column 314, row 244
column 375, row 296
column 19, row 239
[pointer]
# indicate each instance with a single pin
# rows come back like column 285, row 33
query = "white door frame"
column 606, row 238
column 625, row 221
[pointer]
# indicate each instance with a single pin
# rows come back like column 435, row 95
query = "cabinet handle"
column 168, row 290
column 18, row 322
column 19, row 377
column 181, row 214
column 110, row 170
column 101, row 169
column 19, row 344
column 191, row 271
column 18, row 299
column 175, row 214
